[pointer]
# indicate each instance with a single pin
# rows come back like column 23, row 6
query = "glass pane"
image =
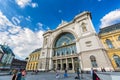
column 117, row 60
column 119, row 38
column 65, row 44
column 109, row 43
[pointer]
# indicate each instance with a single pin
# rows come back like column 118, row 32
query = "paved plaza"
column 47, row 76
column 71, row 76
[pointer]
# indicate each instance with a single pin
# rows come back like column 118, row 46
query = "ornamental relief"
column 84, row 28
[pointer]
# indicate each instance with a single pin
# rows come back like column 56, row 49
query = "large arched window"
column 109, row 43
column 65, row 45
column 117, row 60
column 93, row 61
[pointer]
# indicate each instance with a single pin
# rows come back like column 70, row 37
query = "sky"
column 23, row 22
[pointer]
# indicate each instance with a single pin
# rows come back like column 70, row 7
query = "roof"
column 6, row 49
column 36, row 50
column 110, row 28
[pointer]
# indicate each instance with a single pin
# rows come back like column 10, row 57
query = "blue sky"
column 22, row 22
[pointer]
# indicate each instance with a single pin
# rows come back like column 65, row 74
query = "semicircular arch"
column 60, row 33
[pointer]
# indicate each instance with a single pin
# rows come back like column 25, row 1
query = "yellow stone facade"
column 33, row 61
column 110, row 37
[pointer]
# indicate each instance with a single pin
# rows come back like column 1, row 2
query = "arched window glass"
column 84, row 29
column 64, row 43
column 93, row 61
column 109, row 43
column 117, row 60
column 119, row 38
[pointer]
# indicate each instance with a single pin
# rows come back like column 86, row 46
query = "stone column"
column 114, row 42
column 66, row 64
column 72, row 64
column 61, row 64
column 56, row 64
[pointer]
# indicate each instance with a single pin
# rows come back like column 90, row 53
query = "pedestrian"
column 91, row 72
column 103, row 70
column 23, row 74
column 78, row 74
column 14, row 74
column 95, row 76
column 19, row 75
column 57, row 75
column 65, row 74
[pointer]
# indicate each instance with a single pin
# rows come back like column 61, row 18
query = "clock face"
column 64, row 39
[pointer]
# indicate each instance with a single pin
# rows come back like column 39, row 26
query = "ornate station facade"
column 73, row 45
column 33, row 60
column 110, row 37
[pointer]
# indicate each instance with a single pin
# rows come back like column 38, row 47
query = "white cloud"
column 22, row 40
column 24, row 3
column 34, row 5
column 15, row 20
column 60, row 11
column 4, row 22
column 40, row 25
column 111, row 18
column 28, row 18
column 99, row 0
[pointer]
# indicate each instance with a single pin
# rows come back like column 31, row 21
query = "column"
column 56, row 64
column 66, row 64
column 61, row 64
column 115, row 44
column 72, row 64
column 80, row 62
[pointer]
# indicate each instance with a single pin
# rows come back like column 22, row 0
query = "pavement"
column 48, row 76
column 109, row 75
column 71, row 76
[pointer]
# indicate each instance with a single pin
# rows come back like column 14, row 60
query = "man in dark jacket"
column 19, row 75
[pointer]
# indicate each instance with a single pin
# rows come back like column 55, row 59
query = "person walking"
column 78, row 74
column 91, row 72
column 14, row 74
column 95, row 76
column 65, row 74
column 19, row 75
column 57, row 75
column 23, row 74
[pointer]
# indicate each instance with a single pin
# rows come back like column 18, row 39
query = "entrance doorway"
column 64, row 66
column 70, row 66
column 59, row 66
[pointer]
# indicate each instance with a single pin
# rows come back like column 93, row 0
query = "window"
column 46, row 41
column 72, row 51
column 93, row 61
column 88, row 43
column 119, row 38
column 67, row 52
column 43, row 54
column 54, row 53
column 58, row 54
column 117, row 60
column 84, row 29
column 109, row 43
column 63, row 44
